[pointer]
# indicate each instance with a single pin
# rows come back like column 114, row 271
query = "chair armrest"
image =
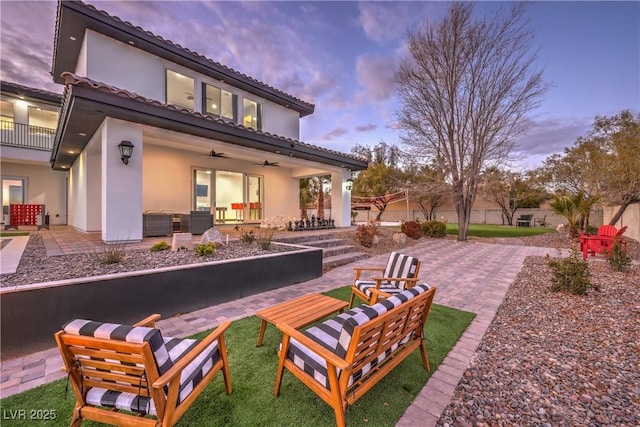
column 330, row 357
column 368, row 269
column 188, row 358
column 149, row 321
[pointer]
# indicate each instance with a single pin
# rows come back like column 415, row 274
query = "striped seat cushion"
column 335, row 335
column 365, row 286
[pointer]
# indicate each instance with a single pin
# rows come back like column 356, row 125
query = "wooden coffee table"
column 299, row 312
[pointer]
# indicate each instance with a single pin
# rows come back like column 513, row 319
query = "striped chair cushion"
column 127, row 333
column 335, row 335
column 97, row 396
column 198, row 368
column 400, row 265
column 365, row 286
column 169, row 350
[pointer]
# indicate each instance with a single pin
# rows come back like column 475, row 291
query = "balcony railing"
column 21, row 135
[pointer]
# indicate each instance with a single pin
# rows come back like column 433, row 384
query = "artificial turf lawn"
column 484, row 230
column 253, row 371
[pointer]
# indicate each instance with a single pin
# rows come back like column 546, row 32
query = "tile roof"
column 32, row 92
column 73, row 79
column 228, row 70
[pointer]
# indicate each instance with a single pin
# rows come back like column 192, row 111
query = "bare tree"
column 465, row 88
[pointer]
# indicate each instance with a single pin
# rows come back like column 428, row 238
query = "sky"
column 342, row 55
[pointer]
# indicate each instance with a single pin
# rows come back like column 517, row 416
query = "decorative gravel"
column 36, row 267
column 552, row 359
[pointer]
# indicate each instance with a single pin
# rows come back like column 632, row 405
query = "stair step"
column 342, row 259
column 337, row 250
column 304, row 239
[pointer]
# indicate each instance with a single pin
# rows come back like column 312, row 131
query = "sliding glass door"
column 238, row 197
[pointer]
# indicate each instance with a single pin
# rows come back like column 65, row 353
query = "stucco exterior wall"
column 44, row 187
column 630, row 218
column 167, row 181
column 127, row 67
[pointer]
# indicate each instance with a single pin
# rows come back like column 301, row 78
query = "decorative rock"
column 212, row 235
column 376, row 240
column 400, row 238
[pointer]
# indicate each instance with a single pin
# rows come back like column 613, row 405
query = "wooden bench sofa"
column 345, row 356
column 120, row 373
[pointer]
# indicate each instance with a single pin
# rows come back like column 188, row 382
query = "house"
column 196, row 135
column 28, row 122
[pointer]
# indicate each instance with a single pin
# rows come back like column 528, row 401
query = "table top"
column 301, row 311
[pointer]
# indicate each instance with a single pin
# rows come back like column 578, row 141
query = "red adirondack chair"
column 602, row 242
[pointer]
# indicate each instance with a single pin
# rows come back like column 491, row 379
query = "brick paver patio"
column 470, row 276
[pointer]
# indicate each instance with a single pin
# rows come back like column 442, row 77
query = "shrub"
column 160, row 246
column 365, row 235
column 434, row 228
column 247, row 238
column 205, row 249
column 411, row 229
column 590, row 229
column 617, row 257
column 109, row 255
column 264, row 241
column 570, row 274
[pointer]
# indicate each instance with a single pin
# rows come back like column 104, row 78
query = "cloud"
column 551, row 135
column 27, row 43
column 384, row 21
column 366, row 128
column 335, row 133
column 375, row 75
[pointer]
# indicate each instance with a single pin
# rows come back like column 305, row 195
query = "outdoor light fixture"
column 126, row 149
column 349, row 184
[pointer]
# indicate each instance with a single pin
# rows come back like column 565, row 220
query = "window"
column 43, row 118
column 219, row 102
column 6, row 114
column 202, row 196
column 251, row 114
column 180, row 90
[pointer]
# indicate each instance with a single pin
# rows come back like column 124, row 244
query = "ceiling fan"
column 213, row 154
column 267, row 163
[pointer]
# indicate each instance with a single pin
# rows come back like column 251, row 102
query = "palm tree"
column 573, row 208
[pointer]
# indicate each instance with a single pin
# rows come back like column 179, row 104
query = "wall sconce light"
column 126, row 149
column 349, row 184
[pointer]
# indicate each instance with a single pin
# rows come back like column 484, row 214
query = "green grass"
column 13, row 233
column 253, row 371
column 484, row 230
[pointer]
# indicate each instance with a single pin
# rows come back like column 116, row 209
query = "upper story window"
column 219, row 102
column 180, row 90
column 251, row 114
column 6, row 111
column 43, row 118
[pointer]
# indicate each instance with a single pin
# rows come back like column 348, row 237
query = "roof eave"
column 104, row 104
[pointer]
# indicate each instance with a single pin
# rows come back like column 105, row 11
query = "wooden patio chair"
column 400, row 273
column 130, row 375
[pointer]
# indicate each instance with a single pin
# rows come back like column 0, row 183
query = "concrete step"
column 337, row 250
column 342, row 259
column 304, row 239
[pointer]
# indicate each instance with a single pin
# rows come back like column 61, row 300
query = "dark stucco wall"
column 31, row 317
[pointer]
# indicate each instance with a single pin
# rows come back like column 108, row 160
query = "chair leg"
column 425, row 357
column 283, row 353
column 76, row 419
column 352, row 299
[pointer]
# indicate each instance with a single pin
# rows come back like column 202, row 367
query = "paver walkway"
column 470, row 276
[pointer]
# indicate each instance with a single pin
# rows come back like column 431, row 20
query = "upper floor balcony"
column 25, row 136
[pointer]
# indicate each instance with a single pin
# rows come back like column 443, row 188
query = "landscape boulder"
column 212, row 235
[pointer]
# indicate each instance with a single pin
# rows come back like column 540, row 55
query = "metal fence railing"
column 22, row 135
